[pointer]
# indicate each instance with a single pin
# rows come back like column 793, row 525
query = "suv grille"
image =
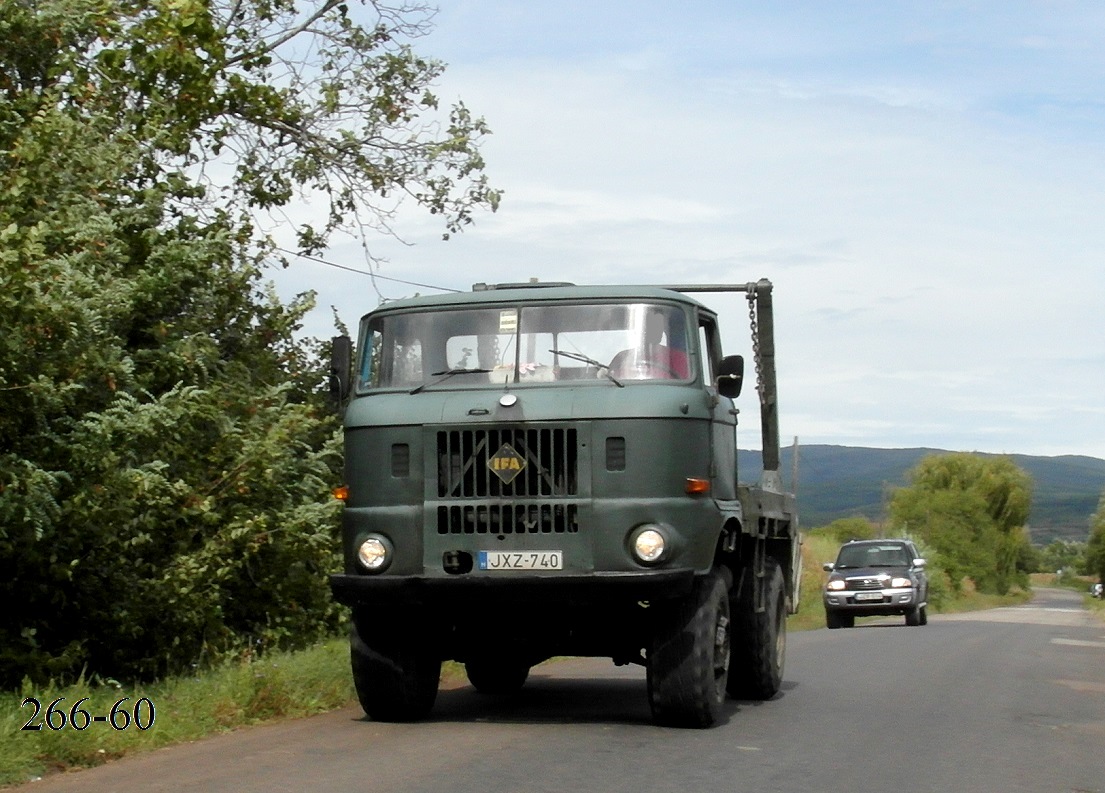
column 866, row 583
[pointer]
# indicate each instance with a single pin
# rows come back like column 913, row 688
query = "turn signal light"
column 341, row 493
column 695, row 486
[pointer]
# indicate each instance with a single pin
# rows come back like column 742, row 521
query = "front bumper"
column 890, row 601
column 465, row 591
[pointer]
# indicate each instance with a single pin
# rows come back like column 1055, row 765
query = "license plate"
column 868, row 596
column 521, row 560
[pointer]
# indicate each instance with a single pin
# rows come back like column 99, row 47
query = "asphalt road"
column 1006, row 700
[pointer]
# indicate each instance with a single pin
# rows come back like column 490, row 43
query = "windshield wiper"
column 445, row 375
column 575, row 356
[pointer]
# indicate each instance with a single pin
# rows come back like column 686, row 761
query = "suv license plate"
column 869, row 596
column 521, row 560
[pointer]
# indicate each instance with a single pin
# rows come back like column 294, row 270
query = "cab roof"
column 540, row 293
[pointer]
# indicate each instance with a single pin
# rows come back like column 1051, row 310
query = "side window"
column 709, row 345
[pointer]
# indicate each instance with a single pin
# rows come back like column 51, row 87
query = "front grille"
column 547, row 467
column 507, row 519
column 865, row 583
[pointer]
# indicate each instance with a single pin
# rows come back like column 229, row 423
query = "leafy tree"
column 844, row 529
column 1061, row 554
column 972, row 510
column 1095, row 547
column 165, row 453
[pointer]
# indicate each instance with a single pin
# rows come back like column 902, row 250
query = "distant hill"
column 847, row 481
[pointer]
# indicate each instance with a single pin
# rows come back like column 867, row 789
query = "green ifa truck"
column 544, row 469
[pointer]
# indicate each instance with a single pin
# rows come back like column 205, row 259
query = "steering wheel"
column 642, row 365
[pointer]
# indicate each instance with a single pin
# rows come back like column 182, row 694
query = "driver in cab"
column 657, row 358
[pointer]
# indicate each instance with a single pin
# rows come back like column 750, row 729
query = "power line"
column 369, row 273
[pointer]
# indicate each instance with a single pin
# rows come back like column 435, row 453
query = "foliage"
column 166, row 455
column 971, row 510
column 1095, row 547
column 845, row 529
column 1061, row 555
column 250, row 102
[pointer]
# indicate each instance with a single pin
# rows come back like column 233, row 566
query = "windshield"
column 559, row 343
column 881, row 555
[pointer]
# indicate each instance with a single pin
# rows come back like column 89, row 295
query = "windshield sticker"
column 508, row 320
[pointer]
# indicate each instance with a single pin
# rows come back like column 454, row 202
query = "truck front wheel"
column 688, row 660
column 396, row 676
column 759, row 639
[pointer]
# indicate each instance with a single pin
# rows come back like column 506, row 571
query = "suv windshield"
column 562, row 343
column 874, row 555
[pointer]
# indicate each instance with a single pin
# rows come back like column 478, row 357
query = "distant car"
column 1096, row 590
column 876, row 577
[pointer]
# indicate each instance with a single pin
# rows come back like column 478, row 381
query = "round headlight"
column 649, row 545
column 374, row 554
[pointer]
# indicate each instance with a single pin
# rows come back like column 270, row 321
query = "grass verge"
column 279, row 686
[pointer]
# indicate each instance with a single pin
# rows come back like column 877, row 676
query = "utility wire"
column 369, row 273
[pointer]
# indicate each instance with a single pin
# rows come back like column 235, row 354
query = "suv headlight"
column 835, row 585
column 900, row 583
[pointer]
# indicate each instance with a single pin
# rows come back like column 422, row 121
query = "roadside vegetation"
column 167, row 450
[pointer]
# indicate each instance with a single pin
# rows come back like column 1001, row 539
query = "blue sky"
column 924, row 182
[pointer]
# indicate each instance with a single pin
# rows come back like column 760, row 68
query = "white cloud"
column 923, row 187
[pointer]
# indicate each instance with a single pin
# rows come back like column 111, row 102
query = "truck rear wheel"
column 759, row 640
column 496, row 675
column 688, row 660
column 396, row 676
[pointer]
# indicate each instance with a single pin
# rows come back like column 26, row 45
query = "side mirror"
column 828, row 567
column 730, row 376
column 341, row 366
column 919, row 563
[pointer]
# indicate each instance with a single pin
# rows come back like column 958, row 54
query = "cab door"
column 723, row 416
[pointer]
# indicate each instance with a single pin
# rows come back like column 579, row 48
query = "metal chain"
column 755, row 340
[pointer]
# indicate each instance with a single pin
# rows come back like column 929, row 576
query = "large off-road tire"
column 496, row 675
column 688, row 658
column 396, row 675
column 759, row 640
